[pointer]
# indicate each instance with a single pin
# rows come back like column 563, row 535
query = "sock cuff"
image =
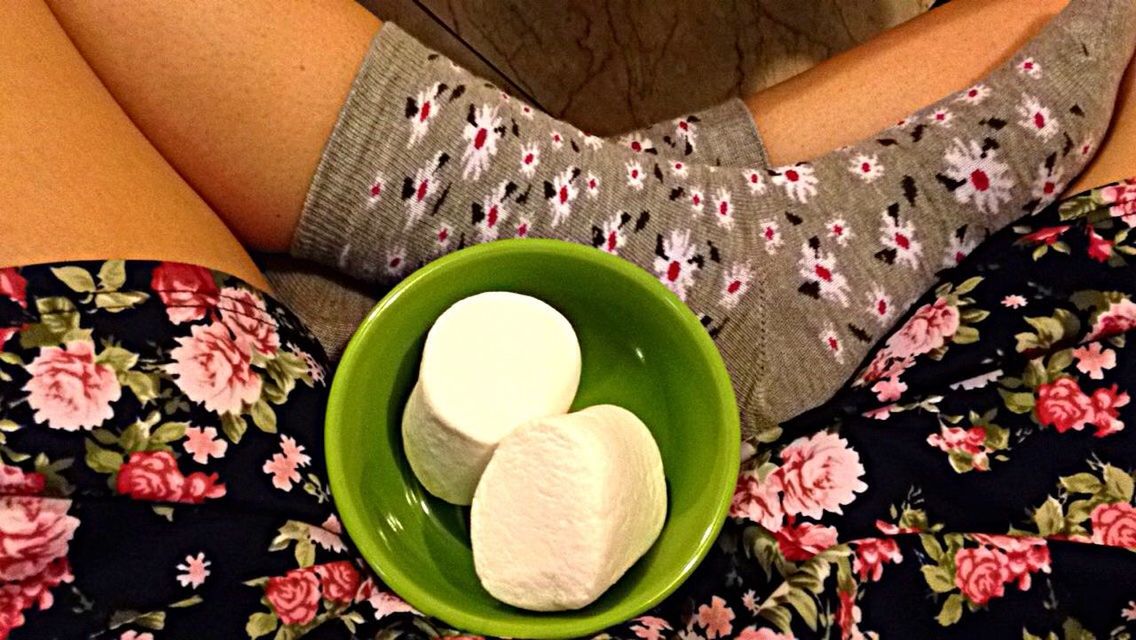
column 322, row 228
column 730, row 136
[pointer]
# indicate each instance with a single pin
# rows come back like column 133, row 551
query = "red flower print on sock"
column 295, row 596
column 188, row 291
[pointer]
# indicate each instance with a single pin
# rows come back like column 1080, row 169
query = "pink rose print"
column 1046, row 235
column 134, row 635
column 284, row 467
column 1106, row 402
column 327, row 535
column 929, row 329
column 970, row 441
column 244, row 313
column 1122, row 200
column 339, row 581
column 848, row 615
column 801, row 542
column 715, row 618
column 212, row 370
column 1062, row 405
column 188, row 291
column 154, row 475
column 650, row 627
column 982, row 574
column 195, row 570
column 1094, row 360
column 386, row 603
column 758, row 500
column 1024, row 556
column 889, row 389
column 871, row 556
column 1114, row 525
column 750, row 633
column 1119, row 318
column 13, row 287
column 1100, row 249
column 34, row 532
column 68, row 390
column 15, row 481
column 19, row 596
column 203, row 444
column 295, row 596
column 820, row 473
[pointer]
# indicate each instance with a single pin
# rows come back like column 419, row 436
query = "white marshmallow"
column 491, row 362
column 565, row 507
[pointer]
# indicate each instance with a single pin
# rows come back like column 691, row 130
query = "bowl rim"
column 401, row 581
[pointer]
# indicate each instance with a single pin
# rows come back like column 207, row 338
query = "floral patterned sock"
column 795, row 270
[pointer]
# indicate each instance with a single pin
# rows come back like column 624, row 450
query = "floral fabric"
column 162, row 471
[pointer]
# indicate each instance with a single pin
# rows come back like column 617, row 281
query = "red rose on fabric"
column 1106, row 404
column 981, row 574
column 15, row 481
column 1024, row 556
column 848, row 615
column 34, row 532
column 1122, row 198
column 798, row 543
column 1099, row 248
column 244, row 313
column 188, row 291
column 871, row 556
column 1115, row 525
column 15, row 288
column 339, row 581
column 1047, row 235
column 211, row 369
column 294, row 596
column 198, row 487
column 68, row 389
column 929, row 329
column 151, row 475
column 1062, row 405
column 1118, row 318
column 758, row 500
column 18, row 597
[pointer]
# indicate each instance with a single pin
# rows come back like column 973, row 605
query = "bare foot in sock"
column 794, row 270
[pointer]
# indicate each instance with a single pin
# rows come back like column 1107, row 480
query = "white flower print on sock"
column 396, row 261
column 611, row 238
column 674, row 262
column 819, row 269
column 421, row 110
column 1030, row 67
column 634, row 175
column 697, row 200
column 639, row 144
column 592, row 142
column 839, row 231
column 530, row 159
column 417, row 190
column 958, row 249
column 735, row 284
column 686, row 133
column 974, row 95
column 723, row 208
column 482, row 130
column 831, row 341
column 900, row 238
column 1037, row 118
column 489, row 215
column 975, row 175
column 442, row 238
column 797, row 180
column 678, row 169
column 879, row 305
column 560, row 193
column 523, row 228
column 771, row 234
column 557, row 140
column 755, row 181
column 941, row 117
column 375, row 190
column 592, row 183
column 527, row 111
column 866, row 167
column 1048, row 183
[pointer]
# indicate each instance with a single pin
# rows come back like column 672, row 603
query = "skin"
column 239, row 98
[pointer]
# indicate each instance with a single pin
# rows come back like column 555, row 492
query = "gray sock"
column 794, row 270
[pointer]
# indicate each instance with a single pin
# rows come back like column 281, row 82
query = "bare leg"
column 77, row 179
column 241, row 96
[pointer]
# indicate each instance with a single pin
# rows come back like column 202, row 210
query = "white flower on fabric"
column 901, row 238
column 1037, row 118
column 674, row 267
column 493, row 213
column 686, row 132
column 983, row 179
column 755, row 181
column 1048, row 184
column 443, row 237
column 196, row 570
column 530, row 159
column 557, row 140
column 879, row 305
column 561, row 195
column 958, row 249
column 697, row 200
column 941, row 117
column 527, row 111
column 1029, row 67
column 613, row 238
column 482, row 130
column 327, row 535
column 798, row 181
column 203, row 443
column 902, row 123
column 735, row 284
column 1088, row 146
column 678, row 169
column 396, row 261
column 592, row 142
column 592, row 183
column 375, row 190
column 831, row 341
column 839, row 231
column 421, row 110
column 523, row 228
column 419, row 190
column 866, row 167
column 1014, row 301
column 771, row 233
column 819, row 267
column 723, row 209
column 974, row 95
column 634, row 175
column 639, row 144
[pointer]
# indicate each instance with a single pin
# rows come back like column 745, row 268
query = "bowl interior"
column 642, row 349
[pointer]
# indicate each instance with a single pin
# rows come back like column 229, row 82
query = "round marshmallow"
column 491, row 362
column 567, row 505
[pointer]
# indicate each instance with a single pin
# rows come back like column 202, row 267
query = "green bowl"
column 642, row 349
